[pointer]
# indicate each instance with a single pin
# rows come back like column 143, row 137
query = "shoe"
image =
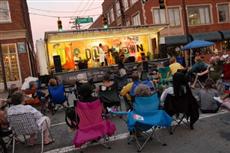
column 218, row 99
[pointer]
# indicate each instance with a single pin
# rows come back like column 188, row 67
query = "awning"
column 176, row 40
column 226, row 34
column 211, row 36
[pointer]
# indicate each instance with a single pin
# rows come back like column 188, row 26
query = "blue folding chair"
column 145, row 119
column 57, row 95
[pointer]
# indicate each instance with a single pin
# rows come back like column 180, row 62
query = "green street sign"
column 83, row 20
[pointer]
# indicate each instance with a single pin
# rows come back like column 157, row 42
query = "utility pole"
column 122, row 9
column 184, row 15
column 3, row 68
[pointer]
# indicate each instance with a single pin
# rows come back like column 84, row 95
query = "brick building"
column 206, row 19
column 17, row 55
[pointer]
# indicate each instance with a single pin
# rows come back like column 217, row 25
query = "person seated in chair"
column 143, row 91
column 174, row 66
column 85, row 91
column 128, row 90
column 53, row 83
column 207, row 103
column 42, row 121
column 200, row 68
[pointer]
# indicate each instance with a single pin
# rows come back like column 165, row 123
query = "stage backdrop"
column 89, row 50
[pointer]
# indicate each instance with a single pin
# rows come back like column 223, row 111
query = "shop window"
column 223, row 12
column 118, row 9
column 198, row 15
column 111, row 15
column 159, row 16
column 4, row 11
column 174, row 17
column 136, row 19
column 10, row 62
column 125, row 4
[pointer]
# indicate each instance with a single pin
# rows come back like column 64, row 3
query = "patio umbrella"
column 197, row 44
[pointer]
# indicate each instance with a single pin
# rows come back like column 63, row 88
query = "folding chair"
column 6, row 138
column 92, row 126
column 145, row 119
column 57, row 96
column 23, row 125
column 110, row 96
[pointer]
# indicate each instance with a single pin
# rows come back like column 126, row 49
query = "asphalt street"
column 211, row 135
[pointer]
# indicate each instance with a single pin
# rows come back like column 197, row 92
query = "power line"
column 55, row 16
column 87, row 6
column 43, row 10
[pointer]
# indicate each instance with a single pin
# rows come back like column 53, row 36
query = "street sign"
column 83, row 20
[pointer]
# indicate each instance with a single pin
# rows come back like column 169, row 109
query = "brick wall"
column 169, row 31
column 16, row 14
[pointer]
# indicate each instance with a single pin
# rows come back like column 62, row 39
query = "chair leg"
column 3, row 146
column 13, row 144
column 42, row 134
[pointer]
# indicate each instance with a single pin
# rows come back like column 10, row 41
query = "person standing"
column 101, row 55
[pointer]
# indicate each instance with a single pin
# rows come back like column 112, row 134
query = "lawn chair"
column 145, row 119
column 57, row 96
column 23, row 125
column 109, row 96
column 92, row 126
column 6, row 138
column 182, row 105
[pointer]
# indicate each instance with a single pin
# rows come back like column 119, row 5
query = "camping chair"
column 109, row 96
column 91, row 125
column 57, row 96
column 6, row 138
column 145, row 119
column 182, row 105
column 165, row 78
column 23, row 125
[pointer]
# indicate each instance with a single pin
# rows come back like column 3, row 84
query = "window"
column 223, row 12
column 111, row 15
column 10, row 62
column 198, row 15
column 136, row 19
column 125, row 4
column 159, row 16
column 118, row 9
column 133, row 1
column 4, row 11
column 174, row 16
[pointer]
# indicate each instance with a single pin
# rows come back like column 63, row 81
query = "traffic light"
column 144, row 1
column 59, row 24
column 162, row 4
column 105, row 22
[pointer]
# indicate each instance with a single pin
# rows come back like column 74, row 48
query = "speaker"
column 57, row 63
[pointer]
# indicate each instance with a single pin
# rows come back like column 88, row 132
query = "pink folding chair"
column 92, row 126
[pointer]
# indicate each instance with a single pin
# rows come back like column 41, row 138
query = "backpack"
column 71, row 117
